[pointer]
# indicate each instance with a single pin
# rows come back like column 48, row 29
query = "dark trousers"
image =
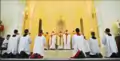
column 5, row 55
column 118, row 54
column 23, row 55
column 87, row 54
column 98, row 55
column 114, row 55
column 11, row 55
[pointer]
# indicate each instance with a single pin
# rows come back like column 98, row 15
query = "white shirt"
column 24, row 44
column 94, row 46
column 78, row 43
column 110, row 45
column 13, row 44
column 39, row 45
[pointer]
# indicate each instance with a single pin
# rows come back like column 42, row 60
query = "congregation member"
column 118, row 43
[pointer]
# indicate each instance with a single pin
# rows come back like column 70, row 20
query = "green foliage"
column 23, row 2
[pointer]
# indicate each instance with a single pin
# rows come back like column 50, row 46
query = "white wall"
column 12, row 15
column 108, row 12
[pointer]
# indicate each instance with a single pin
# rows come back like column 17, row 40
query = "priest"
column 66, row 39
column 60, row 40
column 47, row 40
column 52, row 41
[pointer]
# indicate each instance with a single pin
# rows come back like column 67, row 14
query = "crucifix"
column 60, row 24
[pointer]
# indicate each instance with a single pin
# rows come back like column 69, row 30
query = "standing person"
column 118, row 43
column 24, row 45
column 60, row 40
column 73, row 33
column 94, row 47
column 47, row 40
column 39, row 43
column 52, row 40
column 12, row 49
column 66, row 38
column 110, row 44
column 78, row 45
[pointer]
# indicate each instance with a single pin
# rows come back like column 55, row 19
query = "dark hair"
column 26, row 32
column 8, row 35
column 107, row 30
column 84, row 37
column 46, row 32
column 93, row 35
column 15, row 31
column 41, row 31
column 66, row 30
column 77, row 30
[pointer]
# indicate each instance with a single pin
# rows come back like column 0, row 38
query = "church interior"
column 59, row 15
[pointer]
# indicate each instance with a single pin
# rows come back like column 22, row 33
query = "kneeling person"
column 12, row 49
column 24, row 45
column 94, row 47
column 78, row 45
column 38, row 50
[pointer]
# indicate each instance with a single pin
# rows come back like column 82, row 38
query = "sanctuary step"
column 58, row 53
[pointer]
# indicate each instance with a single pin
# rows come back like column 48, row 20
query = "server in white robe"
column 110, row 44
column 87, row 47
column 94, row 47
column 52, row 40
column 39, row 44
column 78, row 45
column 66, row 39
column 5, row 43
column 13, row 43
column 60, row 41
column 24, row 44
